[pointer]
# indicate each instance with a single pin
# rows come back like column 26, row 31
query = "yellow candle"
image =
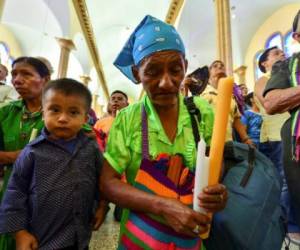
column 225, row 87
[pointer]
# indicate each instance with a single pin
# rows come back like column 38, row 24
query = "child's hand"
column 25, row 241
column 99, row 216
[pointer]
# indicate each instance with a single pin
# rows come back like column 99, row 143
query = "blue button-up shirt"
column 52, row 192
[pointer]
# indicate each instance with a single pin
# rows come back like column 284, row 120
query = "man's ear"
column 47, row 79
column 86, row 118
column 265, row 64
column 135, row 73
column 186, row 63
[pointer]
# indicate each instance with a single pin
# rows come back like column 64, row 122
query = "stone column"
column 241, row 73
column 2, row 4
column 85, row 79
column 223, row 28
column 66, row 45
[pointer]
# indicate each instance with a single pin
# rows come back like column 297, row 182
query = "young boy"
column 252, row 119
column 50, row 199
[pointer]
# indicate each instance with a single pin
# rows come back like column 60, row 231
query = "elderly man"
column 282, row 93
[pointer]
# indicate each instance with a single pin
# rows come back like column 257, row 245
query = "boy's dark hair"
column 248, row 99
column 296, row 23
column 120, row 92
column 37, row 64
column 68, row 86
column 264, row 57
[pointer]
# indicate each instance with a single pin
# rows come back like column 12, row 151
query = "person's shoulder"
column 132, row 108
column 34, row 143
column 281, row 66
column 202, row 104
column 129, row 113
column 13, row 104
column 262, row 80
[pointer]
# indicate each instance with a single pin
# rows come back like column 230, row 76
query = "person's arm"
column 9, row 157
column 102, row 208
column 259, row 89
column 279, row 95
column 242, row 131
column 14, row 206
column 282, row 100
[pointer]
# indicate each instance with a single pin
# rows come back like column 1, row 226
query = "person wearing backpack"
column 152, row 142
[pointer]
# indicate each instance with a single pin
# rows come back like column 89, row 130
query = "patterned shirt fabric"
column 253, row 122
column 104, row 124
column 150, row 36
column 124, row 147
column 52, row 192
column 210, row 94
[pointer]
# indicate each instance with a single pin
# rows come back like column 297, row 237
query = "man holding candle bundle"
column 157, row 215
column 282, row 93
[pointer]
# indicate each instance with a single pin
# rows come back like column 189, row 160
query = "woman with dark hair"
column 21, row 120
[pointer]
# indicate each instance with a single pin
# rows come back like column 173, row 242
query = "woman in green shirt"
column 155, row 56
column 21, row 120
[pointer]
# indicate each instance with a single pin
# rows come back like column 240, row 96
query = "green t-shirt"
column 124, row 147
column 17, row 125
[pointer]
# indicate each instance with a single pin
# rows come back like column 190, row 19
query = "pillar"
column 85, row 79
column 66, row 45
column 241, row 73
column 223, row 28
column 2, row 4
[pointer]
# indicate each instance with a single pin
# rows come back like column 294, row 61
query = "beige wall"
column 281, row 21
column 7, row 36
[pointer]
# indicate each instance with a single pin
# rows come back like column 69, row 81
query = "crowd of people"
column 61, row 165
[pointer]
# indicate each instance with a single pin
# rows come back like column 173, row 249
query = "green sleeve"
column 117, row 153
column 3, row 114
column 280, row 77
column 87, row 127
column 207, row 118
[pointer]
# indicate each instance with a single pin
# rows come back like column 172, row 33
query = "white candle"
column 201, row 175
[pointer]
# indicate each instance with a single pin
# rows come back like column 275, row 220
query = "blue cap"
column 150, row 36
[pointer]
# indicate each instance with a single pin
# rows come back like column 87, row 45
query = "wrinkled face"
column 27, row 81
column 161, row 74
column 217, row 68
column 63, row 114
column 274, row 56
column 118, row 101
column 3, row 73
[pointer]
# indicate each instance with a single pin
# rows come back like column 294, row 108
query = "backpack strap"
column 195, row 117
column 251, row 159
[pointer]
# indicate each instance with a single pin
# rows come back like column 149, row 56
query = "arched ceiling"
column 36, row 23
